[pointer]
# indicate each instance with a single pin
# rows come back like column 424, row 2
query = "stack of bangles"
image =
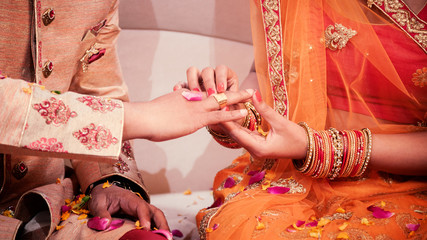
column 334, row 154
column 252, row 122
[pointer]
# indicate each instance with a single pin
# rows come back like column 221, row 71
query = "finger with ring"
column 221, row 99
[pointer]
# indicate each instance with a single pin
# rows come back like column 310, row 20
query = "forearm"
column 400, row 153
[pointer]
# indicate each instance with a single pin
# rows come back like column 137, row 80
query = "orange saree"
column 331, row 63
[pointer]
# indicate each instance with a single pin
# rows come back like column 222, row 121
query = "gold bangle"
column 302, row 167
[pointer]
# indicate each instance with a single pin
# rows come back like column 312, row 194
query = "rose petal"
column 299, row 223
column 373, row 208
column 192, row 96
column 382, row 214
column 251, row 173
column 311, row 224
column 165, row 233
column 97, row 223
column 412, row 227
column 177, row 233
column 217, row 203
column 65, row 208
column 229, row 183
column 215, row 226
column 277, row 190
column 116, row 224
column 256, row 177
column 291, row 229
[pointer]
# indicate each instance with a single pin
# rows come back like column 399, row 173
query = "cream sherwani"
column 61, row 93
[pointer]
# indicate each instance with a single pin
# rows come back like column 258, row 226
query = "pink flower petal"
column 215, row 226
column 165, row 233
column 177, row 233
column 277, row 190
column 65, row 208
column 378, row 212
column 251, row 173
column 97, row 223
column 116, row 224
column 192, row 96
column 256, row 177
column 299, row 223
column 311, row 224
column 218, row 202
column 291, row 229
column 229, row 182
column 412, row 227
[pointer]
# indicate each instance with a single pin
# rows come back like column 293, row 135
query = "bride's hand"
column 285, row 138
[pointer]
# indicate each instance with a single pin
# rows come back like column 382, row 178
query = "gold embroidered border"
column 405, row 19
column 273, row 34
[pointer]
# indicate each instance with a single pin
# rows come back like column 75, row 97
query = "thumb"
column 101, row 212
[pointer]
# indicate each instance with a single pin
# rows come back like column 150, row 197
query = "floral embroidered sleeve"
column 68, row 125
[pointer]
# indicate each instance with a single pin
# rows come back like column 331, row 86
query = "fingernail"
column 221, row 87
column 258, row 96
column 196, row 89
column 210, row 91
column 226, row 108
column 243, row 112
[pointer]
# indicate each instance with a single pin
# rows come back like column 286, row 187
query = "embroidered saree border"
column 405, row 19
column 274, row 49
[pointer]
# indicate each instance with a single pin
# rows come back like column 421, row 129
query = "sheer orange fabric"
column 329, row 63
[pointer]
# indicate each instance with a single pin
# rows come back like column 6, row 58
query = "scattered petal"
column 411, row 234
column 366, row 222
column 260, row 226
column 343, row 226
column 278, row 190
column 59, row 227
column 256, row 177
column 138, row 225
column 412, row 227
column 187, row 192
column 218, row 202
column 116, row 224
column 340, row 210
column 291, row 229
column 106, row 185
column 58, row 181
column 65, row 216
column 192, row 96
column 177, row 233
column 316, row 233
column 265, row 184
column 215, row 226
column 229, row 183
column 65, row 208
column 323, row 221
column 82, row 216
column 382, row 204
column 139, row 195
column 97, row 223
column 312, row 224
column 297, row 225
column 343, row 235
column 167, row 234
column 251, row 173
column 378, row 212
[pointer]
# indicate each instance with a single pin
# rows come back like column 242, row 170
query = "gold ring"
column 221, row 99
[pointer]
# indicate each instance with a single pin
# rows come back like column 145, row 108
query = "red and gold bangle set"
column 332, row 153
